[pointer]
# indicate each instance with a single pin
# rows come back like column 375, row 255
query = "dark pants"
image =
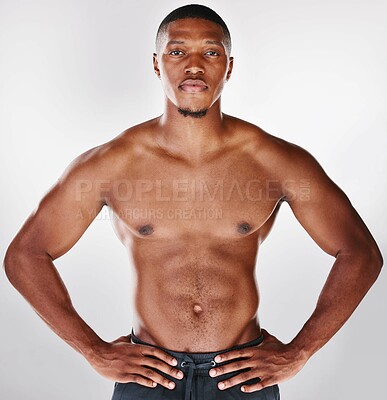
column 197, row 384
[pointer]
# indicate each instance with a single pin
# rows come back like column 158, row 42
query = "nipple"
column 244, row 227
column 146, row 230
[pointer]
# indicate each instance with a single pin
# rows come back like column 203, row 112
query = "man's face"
column 192, row 63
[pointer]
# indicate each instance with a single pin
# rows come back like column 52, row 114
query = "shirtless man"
column 196, row 334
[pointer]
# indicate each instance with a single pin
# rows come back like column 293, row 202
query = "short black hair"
column 194, row 11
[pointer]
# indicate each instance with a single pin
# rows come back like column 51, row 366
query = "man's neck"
column 189, row 137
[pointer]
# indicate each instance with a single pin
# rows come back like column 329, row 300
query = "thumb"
column 267, row 336
column 123, row 339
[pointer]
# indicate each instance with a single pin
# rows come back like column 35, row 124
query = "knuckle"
column 157, row 363
column 238, row 365
column 150, row 351
column 165, row 382
column 149, row 373
column 123, row 377
column 245, row 376
column 264, row 384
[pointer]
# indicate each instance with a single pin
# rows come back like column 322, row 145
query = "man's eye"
column 175, row 53
column 212, row 53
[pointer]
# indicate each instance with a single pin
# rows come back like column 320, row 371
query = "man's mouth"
column 193, row 86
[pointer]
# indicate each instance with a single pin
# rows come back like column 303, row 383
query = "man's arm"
column 53, row 228
column 332, row 222
column 329, row 218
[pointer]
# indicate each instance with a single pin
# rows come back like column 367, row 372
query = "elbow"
column 379, row 262
column 16, row 262
column 374, row 261
column 11, row 261
column 367, row 259
column 21, row 260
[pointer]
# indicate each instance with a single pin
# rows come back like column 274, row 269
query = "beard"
column 186, row 112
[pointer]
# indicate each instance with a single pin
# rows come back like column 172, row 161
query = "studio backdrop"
column 74, row 74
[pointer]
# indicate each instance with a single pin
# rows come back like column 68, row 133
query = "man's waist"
column 198, row 361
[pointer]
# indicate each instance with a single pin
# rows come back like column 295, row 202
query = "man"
column 194, row 193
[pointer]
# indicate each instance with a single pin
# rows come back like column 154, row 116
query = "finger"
column 155, row 352
column 138, row 379
column 231, row 367
column 258, row 386
column 162, row 366
column 152, row 375
column 236, row 380
column 230, row 355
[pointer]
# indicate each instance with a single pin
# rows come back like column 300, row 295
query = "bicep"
column 62, row 216
column 325, row 212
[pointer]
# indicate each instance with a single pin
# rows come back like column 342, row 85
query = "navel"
column 244, row 228
column 145, row 230
column 197, row 309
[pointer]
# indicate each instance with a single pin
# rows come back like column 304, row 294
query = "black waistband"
column 200, row 357
column 196, row 363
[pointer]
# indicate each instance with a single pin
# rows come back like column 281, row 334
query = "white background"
column 73, row 74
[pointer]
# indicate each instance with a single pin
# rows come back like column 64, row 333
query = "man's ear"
column 156, row 65
column 230, row 67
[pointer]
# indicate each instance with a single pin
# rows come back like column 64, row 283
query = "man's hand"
column 271, row 361
column 123, row 361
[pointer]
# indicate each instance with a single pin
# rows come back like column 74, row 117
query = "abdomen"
column 197, row 298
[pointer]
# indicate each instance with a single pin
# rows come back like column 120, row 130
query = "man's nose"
column 194, row 65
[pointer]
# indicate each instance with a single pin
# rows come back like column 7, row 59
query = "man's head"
column 193, row 60
column 193, row 11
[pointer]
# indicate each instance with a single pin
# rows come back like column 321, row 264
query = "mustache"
column 194, row 82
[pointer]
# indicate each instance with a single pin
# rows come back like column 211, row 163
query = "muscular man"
column 194, row 192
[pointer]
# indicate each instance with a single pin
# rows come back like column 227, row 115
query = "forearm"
column 38, row 281
column 349, row 280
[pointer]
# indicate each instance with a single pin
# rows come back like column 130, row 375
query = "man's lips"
column 193, row 86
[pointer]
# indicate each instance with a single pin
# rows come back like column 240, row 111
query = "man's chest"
column 229, row 197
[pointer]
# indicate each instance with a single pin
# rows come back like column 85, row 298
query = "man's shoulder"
column 270, row 151
column 260, row 142
column 133, row 140
column 104, row 160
